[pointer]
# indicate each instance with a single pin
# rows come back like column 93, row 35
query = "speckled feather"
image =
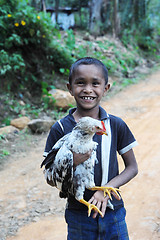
column 59, row 161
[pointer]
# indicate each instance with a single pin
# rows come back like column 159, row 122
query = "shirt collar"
column 102, row 113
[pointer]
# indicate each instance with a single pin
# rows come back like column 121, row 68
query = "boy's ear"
column 107, row 87
column 69, row 88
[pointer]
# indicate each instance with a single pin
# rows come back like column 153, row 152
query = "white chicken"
column 59, row 162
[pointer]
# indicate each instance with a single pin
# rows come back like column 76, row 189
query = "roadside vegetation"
column 35, row 55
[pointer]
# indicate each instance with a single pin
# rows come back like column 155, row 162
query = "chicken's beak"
column 103, row 130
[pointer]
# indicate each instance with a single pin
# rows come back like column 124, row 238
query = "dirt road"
column 31, row 210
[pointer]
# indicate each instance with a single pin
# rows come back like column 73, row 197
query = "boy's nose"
column 87, row 89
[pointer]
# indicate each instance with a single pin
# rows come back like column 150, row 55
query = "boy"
column 88, row 82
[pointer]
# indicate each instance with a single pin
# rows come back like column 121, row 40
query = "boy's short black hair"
column 88, row 61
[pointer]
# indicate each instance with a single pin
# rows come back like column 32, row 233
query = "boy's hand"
column 100, row 201
column 79, row 158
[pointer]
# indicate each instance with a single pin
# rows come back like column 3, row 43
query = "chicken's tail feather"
column 63, row 195
column 49, row 158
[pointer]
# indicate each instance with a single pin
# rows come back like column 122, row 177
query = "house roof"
column 67, row 10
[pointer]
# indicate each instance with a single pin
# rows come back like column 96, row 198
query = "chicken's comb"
column 103, row 125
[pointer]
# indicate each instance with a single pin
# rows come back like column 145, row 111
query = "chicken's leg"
column 107, row 190
column 90, row 207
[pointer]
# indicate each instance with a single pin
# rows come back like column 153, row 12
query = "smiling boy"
column 87, row 85
column 88, row 82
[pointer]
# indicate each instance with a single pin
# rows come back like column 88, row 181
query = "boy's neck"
column 89, row 113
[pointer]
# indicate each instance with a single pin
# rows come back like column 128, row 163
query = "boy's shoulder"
column 63, row 121
column 117, row 124
column 105, row 115
column 66, row 119
column 67, row 123
column 115, row 119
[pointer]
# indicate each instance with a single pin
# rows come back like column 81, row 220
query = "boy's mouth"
column 88, row 98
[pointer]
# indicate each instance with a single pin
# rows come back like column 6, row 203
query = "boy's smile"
column 88, row 86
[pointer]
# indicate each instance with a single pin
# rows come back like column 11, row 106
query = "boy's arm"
column 79, row 158
column 125, row 176
column 130, row 171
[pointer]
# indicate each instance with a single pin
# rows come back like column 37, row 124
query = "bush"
column 144, row 36
column 28, row 46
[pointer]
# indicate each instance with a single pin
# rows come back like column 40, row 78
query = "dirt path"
column 31, row 210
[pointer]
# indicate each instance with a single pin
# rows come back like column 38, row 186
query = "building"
column 66, row 18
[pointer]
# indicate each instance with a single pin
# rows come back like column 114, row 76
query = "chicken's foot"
column 90, row 207
column 107, row 190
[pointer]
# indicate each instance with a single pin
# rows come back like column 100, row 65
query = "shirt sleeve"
column 126, row 140
column 55, row 134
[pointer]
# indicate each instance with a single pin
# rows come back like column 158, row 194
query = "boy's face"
column 88, row 86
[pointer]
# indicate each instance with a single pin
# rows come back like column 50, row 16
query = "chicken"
column 59, row 162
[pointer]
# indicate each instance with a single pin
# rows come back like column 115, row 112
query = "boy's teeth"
column 88, row 98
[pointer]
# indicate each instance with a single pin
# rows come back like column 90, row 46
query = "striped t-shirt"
column 119, row 139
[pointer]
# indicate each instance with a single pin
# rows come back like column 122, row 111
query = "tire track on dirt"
column 32, row 210
column 139, row 106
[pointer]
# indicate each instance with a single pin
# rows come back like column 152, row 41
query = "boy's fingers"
column 103, row 209
column 87, row 155
column 90, row 200
column 79, row 158
column 118, row 197
column 95, row 215
column 99, row 205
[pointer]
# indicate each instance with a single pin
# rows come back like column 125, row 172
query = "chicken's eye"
column 98, row 127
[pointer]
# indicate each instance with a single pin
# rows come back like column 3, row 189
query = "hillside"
column 125, row 65
column 30, row 209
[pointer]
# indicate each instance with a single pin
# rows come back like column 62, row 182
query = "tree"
column 116, row 20
column 56, row 10
column 98, row 13
column 95, row 17
column 43, row 5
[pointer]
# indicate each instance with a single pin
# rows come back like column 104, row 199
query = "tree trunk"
column 56, row 10
column 80, row 14
column 95, row 18
column 142, row 9
column 43, row 5
column 136, row 12
column 139, row 11
column 116, row 20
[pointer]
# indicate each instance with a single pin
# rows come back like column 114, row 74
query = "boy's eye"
column 95, row 83
column 80, row 82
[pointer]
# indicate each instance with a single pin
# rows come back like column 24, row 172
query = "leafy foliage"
column 28, row 46
column 138, row 23
column 32, row 51
column 3, row 152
